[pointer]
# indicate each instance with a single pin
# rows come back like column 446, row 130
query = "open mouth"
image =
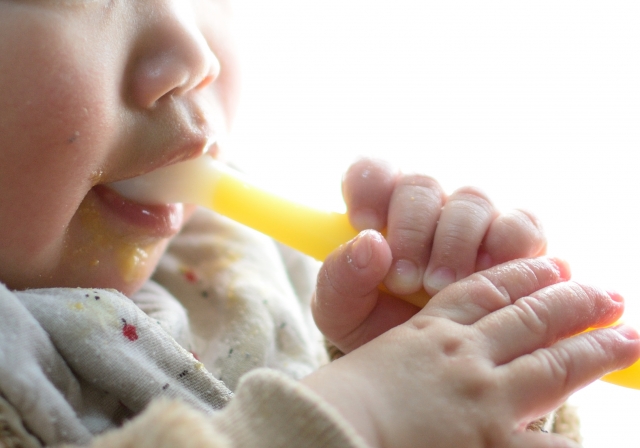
column 159, row 221
column 153, row 202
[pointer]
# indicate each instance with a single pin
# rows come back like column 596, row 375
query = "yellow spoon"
column 214, row 185
column 629, row 377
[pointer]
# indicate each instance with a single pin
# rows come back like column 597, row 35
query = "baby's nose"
column 171, row 55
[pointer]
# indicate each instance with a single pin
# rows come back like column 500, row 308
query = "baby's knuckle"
column 597, row 345
column 422, row 181
column 450, row 342
column 531, row 274
column 582, row 292
column 458, row 236
column 488, row 295
column 478, row 381
column 366, row 179
column 474, row 196
column 421, row 322
column 515, row 236
column 367, row 166
column 453, row 345
column 478, row 283
column 529, row 221
column 529, row 270
column 581, row 295
column 408, row 232
column 526, row 235
column 533, row 313
column 421, row 195
column 556, row 363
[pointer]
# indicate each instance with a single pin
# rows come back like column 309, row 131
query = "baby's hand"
column 484, row 357
column 431, row 241
column 434, row 239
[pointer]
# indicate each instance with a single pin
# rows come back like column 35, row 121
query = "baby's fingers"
column 546, row 316
column 566, row 367
column 513, row 235
column 462, row 226
column 414, row 211
column 367, row 187
column 348, row 307
column 408, row 206
column 482, row 293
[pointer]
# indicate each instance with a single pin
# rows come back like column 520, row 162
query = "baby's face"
column 91, row 92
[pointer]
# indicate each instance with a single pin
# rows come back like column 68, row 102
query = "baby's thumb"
column 347, row 288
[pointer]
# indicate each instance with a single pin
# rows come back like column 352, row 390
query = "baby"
column 219, row 348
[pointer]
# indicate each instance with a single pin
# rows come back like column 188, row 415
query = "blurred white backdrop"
column 537, row 103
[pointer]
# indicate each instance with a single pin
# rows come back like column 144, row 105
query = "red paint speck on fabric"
column 129, row 332
column 190, row 276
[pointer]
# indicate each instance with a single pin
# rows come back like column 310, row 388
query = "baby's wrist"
column 349, row 396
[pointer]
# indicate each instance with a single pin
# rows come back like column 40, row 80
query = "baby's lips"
column 163, row 220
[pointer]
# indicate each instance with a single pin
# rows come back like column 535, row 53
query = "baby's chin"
column 93, row 253
column 123, row 267
column 125, row 270
column 97, row 256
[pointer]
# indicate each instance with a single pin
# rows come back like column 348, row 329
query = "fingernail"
column 403, row 277
column 615, row 296
column 440, row 278
column 361, row 251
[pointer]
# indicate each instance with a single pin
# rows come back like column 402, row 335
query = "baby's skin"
column 489, row 353
column 485, row 356
column 92, row 92
column 431, row 240
column 96, row 91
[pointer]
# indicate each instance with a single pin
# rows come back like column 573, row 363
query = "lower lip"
column 159, row 221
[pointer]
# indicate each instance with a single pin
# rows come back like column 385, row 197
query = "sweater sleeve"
column 269, row 410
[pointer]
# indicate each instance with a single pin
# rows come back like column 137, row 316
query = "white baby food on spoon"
column 190, row 182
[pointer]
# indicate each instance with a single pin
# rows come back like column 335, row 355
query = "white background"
column 537, row 103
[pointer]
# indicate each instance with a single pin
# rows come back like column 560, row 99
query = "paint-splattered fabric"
column 246, row 298
column 223, row 302
column 81, row 361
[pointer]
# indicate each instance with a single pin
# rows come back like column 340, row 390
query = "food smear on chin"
column 131, row 257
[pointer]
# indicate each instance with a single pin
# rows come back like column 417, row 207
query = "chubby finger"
column 546, row 316
column 565, row 367
column 348, row 307
column 367, row 187
column 464, row 221
column 414, row 211
column 518, row 234
column 482, row 293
